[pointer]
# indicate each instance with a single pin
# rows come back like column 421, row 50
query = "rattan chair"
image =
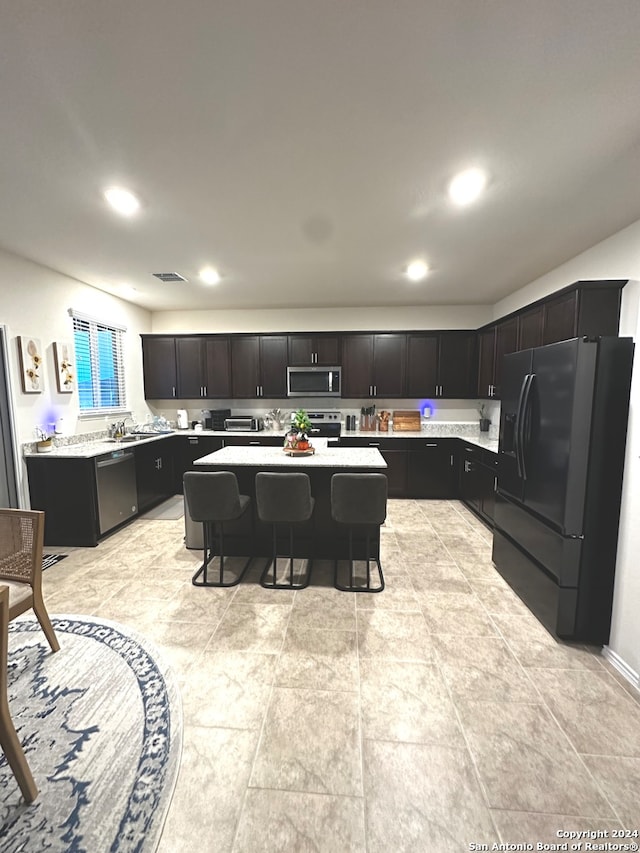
column 21, row 539
column 9, row 740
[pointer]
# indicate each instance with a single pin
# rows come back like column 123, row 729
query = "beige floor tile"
column 407, row 701
column 229, row 689
column 282, row 821
column 206, row 804
column 252, row 627
column 422, row 797
column 353, row 669
column 595, row 712
column 310, row 742
column 619, row 778
column 387, row 634
column 329, row 609
column 483, row 668
column 398, row 594
column 318, row 659
column 533, row 828
column 534, row 646
column 526, row 763
column 456, row 613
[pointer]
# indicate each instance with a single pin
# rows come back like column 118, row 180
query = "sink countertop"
column 468, row 432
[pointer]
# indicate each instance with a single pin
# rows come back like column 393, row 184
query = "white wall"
column 35, row 302
column 616, row 257
column 324, row 319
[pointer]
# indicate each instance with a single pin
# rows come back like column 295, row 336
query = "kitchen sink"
column 126, row 439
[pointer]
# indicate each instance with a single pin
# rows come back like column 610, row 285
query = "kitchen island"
column 320, row 537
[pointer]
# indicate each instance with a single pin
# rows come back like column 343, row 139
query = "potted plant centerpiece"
column 298, row 436
column 485, row 421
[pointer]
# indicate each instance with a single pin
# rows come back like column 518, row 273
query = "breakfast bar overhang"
column 321, row 537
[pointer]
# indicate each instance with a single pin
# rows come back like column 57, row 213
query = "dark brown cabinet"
column 441, row 364
column 314, row 349
column 530, row 324
column 373, row 365
column 259, row 366
column 187, row 449
column 154, row 472
column 477, row 480
column 394, row 452
column 457, row 365
column 71, row 513
column 159, row 367
column 493, row 344
column 431, row 472
column 589, row 308
column 203, row 367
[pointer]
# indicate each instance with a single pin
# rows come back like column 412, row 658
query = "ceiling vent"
column 169, row 276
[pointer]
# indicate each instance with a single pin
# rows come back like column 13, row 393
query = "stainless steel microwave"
column 314, row 381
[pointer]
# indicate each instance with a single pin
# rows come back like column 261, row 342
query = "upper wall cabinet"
column 186, row 367
column 530, row 324
column 314, row 349
column 373, row 365
column 259, row 366
column 441, row 364
column 203, row 367
column 493, row 344
column 589, row 308
column 159, row 367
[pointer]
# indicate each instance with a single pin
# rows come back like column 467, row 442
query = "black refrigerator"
column 563, row 426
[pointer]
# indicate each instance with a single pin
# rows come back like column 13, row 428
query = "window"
column 99, row 365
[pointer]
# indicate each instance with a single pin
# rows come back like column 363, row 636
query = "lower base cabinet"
column 432, row 468
column 477, row 479
column 188, row 449
column 65, row 489
column 154, row 473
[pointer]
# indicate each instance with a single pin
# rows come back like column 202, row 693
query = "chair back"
column 21, row 542
column 212, row 495
column 283, row 497
column 359, row 498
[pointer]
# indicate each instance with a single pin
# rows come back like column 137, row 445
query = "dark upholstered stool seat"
column 283, row 499
column 212, row 498
column 360, row 502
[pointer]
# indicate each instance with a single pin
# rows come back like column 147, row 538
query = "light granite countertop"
column 324, row 457
column 89, row 449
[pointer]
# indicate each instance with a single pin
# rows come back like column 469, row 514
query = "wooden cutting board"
column 406, row 421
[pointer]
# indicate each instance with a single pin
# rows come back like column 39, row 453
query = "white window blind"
column 99, row 365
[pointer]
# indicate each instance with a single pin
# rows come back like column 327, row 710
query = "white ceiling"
column 303, row 147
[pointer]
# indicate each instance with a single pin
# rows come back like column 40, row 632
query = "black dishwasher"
column 116, row 489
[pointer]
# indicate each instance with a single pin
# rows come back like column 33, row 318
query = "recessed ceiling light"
column 210, row 275
column 122, row 201
column 467, row 186
column 416, row 270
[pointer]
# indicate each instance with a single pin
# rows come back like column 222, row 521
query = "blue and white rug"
column 100, row 723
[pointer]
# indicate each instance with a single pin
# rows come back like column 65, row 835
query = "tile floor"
column 434, row 716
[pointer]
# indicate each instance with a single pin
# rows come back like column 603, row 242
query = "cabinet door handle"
column 173, row 390
column 374, row 444
column 441, row 391
column 431, row 444
column 257, row 390
column 451, row 460
column 255, row 442
column 375, row 390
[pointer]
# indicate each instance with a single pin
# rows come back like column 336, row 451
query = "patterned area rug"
column 100, row 722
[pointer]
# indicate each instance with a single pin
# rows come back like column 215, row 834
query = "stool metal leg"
column 209, row 555
column 368, row 560
column 290, row 584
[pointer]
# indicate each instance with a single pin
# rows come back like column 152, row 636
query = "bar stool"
column 359, row 501
column 283, row 499
column 212, row 498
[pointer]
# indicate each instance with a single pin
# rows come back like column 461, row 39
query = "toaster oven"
column 243, row 423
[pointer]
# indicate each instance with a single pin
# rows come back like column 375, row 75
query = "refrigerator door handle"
column 524, row 423
column 517, row 431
